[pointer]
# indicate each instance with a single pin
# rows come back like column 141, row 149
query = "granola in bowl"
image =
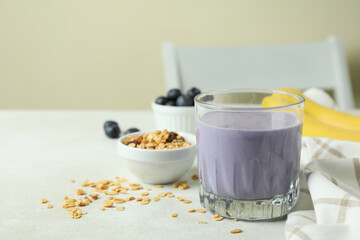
column 158, row 157
column 157, row 140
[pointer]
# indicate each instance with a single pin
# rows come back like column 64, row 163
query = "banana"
column 328, row 115
column 315, row 128
column 277, row 100
column 311, row 126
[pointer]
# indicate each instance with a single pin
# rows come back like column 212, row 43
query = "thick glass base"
column 262, row 209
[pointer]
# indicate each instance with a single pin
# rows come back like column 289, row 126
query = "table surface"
column 41, row 151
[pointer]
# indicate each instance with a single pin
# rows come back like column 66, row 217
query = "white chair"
column 316, row 64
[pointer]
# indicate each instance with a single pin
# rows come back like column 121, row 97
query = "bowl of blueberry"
column 175, row 111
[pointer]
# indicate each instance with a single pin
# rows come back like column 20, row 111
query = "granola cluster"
column 157, row 140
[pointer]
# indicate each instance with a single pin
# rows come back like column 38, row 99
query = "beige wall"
column 105, row 54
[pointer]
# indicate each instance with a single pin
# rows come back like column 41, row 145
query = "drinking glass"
column 248, row 151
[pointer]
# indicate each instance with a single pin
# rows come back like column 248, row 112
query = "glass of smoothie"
column 248, row 151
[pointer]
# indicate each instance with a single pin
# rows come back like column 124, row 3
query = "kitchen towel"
column 329, row 203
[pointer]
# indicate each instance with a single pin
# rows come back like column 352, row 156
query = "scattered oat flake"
column 219, row 218
column 101, row 208
column 44, row 200
column 80, row 192
column 68, row 205
column 139, row 199
column 133, row 184
column 80, row 203
column 106, row 182
column 70, row 209
column 191, row 210
column 72, row 180
column 87, row 200
column 119, row 200
column 129, row 199
column 85, row 183
column 174, row 215
column 183, row 186
column 235, row 220
column 195, row 177
column 158, row 186
column 200, row 210
column 170, row 195
column 202, row 222
column 70, row 200
column 121, row 208
column 144, row 194
column 176, row 185
column 180, row 199
column 187, row 201
column 155, row 199
column 148, row 189
column 94, row 196
column 235, row 231
column 49, row 206
column 144, row 203
column 108, row 203
column 76, row 213
column 161, row 195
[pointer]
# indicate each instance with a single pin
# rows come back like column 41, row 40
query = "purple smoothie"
column 248, row 155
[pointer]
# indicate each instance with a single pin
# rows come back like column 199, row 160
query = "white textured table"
column 41, row 151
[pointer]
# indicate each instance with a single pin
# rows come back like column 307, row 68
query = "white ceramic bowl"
column 178, row 119
column 158, row 166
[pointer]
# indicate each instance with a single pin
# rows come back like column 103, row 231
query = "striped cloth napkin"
column 329, row 202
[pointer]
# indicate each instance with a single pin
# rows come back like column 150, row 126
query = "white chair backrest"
column 301, row 66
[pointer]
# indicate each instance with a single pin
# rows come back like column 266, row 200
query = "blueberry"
column 192, row 92
column 131, row 130
column 173, row 94
column 184, row 100
column 172, row 136
column 112, row 129
column 208, row 98
column 171, row 103
column 161, row 100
